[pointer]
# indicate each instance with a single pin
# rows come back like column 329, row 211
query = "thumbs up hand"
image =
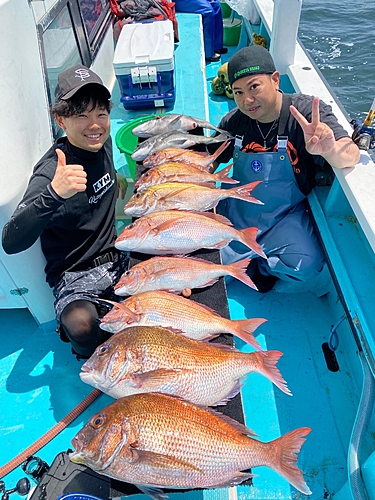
column 68, row 179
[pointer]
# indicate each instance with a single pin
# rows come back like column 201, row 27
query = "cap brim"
column 71, row 93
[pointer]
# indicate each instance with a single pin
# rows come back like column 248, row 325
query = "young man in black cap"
column 70, row 204
column 282, row 140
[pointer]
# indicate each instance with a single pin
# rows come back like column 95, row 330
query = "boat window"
column 60, row 48
column 93, row 14
column 70, row 33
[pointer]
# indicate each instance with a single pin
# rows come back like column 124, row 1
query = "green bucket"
column 232, row 31
column 226, row 10
column 127, row 142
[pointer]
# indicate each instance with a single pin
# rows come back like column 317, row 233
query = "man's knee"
column 80, row 321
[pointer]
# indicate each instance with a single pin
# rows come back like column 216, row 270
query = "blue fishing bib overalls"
column 285, row 230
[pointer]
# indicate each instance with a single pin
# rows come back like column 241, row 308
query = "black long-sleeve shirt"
column 73, row 231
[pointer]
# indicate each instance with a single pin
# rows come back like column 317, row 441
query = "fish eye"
column 98, row 421
column 137, row 195
column 103, row 349
column 127, row 273
column 130, row 226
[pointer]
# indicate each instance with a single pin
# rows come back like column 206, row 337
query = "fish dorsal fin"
column 210, row 310
column 214, row 216
column 220, row 149
column 237, row 425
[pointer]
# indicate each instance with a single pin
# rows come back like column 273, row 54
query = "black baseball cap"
column 73, row 79
column 252, row 60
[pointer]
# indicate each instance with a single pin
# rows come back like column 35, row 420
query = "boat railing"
column 344, row 211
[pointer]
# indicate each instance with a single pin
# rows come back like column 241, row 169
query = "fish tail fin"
column 268, row 368
column 244, row 192
column 248, row 237
column 244, row 330
column 219, row 150
column 223, row 175
column 238, row 271
column 286, row 449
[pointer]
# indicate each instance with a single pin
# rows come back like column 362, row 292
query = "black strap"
column 104, row 258
column 284, row 114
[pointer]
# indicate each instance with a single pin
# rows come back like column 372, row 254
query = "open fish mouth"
column 75, row 455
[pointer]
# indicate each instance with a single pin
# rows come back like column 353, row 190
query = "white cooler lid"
column 143, row 44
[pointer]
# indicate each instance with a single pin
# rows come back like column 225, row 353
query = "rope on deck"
column 49, row 435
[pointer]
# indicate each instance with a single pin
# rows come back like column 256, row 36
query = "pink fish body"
column 184, row 196
column 158, row 441
column 179, row 172
column 173, row 231
column 179, row 314
column 184, row 156
column 176, row 274
column 152, row 359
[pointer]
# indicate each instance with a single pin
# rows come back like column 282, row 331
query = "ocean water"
column 340, row 37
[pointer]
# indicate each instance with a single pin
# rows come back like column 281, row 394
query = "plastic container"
column 232, row 31
column 78, row 496
column 127, row 142
column 226, row 10
column 144, row 64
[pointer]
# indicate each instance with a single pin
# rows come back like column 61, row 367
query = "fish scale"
column 185, row 196
column 171, row 311
column 181, row 232
column 153, row 359
column 171, row 121
column 157, row 441
column 177, row 274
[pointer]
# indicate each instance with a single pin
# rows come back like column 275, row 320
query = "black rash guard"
column 73, row 231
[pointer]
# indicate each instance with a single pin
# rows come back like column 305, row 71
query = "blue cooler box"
column 144, row 64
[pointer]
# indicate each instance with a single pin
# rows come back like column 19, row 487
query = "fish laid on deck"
column 152, row 359
column 178, row 314
column 173, row 139
column 171, row 121
column 173, row 231
column 158, row 441
column 180, row 172
column 178, row 274
column 196, row 158
column 184, row 196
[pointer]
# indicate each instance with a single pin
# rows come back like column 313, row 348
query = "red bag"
column 168, row 7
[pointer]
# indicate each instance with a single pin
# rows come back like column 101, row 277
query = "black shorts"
column 91, row 284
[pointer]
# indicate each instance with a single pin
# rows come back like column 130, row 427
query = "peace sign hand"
column 319, row 137
column 68, row 179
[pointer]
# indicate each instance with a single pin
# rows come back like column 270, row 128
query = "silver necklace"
column 268, row 133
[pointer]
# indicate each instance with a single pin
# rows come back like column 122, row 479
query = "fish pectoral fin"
column 165, row 461
column 175, row 192
column 175, row 120
column 165, row 225
column 161, row 273
column 153, row 379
